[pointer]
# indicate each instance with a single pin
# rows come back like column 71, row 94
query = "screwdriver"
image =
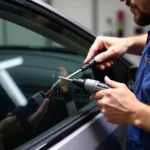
column 88, row 84
column 35, row 101
column 89, row 65
column 82, row 68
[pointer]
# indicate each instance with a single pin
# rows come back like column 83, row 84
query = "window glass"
column 44, row 61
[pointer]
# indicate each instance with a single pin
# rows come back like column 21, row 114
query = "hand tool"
column 55, row 84
column 83, row 68
column 88, row 84
column 89, row 65
column 35, row 101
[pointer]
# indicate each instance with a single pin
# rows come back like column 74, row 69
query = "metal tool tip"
column 64, row 78
column 60, row 77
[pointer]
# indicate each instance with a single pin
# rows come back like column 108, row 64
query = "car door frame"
column 47, row 17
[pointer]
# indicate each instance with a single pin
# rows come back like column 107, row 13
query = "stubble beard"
column 142, row 19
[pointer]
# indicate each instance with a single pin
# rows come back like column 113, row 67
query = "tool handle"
column 88, row 65
column 92, row 62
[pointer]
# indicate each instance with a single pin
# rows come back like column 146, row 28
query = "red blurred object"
column 120, row 15
column 120, row 23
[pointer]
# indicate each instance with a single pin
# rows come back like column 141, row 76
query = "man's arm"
column 137, row 43
column 115, row 48
column 142, row 117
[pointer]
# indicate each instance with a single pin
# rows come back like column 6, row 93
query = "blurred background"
column 102, row 17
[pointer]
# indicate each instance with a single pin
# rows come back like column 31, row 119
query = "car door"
column 53, row 45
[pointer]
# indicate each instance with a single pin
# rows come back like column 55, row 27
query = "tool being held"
column 88, row 84
column 35, row 101
column 83, row 68
column 89, row 65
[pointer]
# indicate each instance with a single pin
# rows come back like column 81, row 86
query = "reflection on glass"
column 44, row 61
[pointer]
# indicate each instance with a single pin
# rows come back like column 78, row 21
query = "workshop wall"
column 108, row 9
column 78, row 10
column 82, row 12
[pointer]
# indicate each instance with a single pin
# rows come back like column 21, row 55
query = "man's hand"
column 114, row 48
column 119, row 105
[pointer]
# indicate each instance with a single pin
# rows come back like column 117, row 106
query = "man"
column 119, row 104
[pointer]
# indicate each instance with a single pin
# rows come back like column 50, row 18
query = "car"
column 53, row 45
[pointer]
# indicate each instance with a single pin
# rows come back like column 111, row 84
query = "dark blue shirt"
column 140, row 138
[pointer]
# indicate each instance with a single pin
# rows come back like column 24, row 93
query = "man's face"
column 141, row 11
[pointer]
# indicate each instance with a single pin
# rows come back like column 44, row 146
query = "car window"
column 44, row 60
column 51, row 46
